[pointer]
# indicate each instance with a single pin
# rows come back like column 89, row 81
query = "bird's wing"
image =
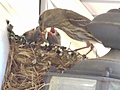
column 68, row 21
column 76, row 19
column 79, row 34
column 77, row 24
column 56, row 16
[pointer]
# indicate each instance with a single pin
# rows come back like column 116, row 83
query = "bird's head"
column 52, row 30
column 48, row 19
column 42, row 25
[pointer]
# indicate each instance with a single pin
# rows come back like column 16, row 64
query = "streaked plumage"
column 72, row 23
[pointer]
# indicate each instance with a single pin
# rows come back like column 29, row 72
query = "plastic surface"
column 98, row 66
column 106, row 28
column 65, row 83
column 114, row 86
column 4, row 49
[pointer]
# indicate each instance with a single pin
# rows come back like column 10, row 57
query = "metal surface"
column 102, row 82
column 97, row 67
column 106, row 28
column 93, row 69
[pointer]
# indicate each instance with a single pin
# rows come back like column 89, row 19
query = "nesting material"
column 27, row 65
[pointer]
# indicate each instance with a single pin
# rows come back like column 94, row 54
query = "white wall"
column 74, row 5
column 27, row 15
column 4, row 44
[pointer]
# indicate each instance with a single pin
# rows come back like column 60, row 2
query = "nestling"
column 72, row 23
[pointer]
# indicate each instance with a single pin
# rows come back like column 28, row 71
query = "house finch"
column 53, row 37
column 72, row 23
column 34, row 35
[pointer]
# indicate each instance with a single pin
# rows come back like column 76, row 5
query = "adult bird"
column 72, row 23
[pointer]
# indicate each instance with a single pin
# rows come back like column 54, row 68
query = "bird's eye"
column 57, row 34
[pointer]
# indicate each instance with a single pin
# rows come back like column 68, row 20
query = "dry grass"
column 27, row 66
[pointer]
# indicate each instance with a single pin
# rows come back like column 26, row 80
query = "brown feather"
column 72, row 23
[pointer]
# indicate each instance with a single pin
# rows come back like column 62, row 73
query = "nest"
column 27, row 65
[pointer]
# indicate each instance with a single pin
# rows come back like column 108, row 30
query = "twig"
column 40, row 85
column 43, row 86
column 33, row 52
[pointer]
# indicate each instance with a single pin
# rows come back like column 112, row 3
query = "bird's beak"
column 44, row 32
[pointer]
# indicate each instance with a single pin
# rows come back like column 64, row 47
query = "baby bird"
column 53, row 37
column 34, row 36
column 72, row 23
